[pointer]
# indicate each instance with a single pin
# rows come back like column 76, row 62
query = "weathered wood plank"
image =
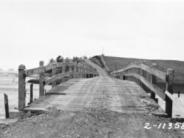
column 34, row 81
column 170, row 80
column 57, row 77
column 31, row 93
column 6, row 106
column 41, row 80
column 39, row 70
column 152, row 87
column 159, row 74
column 21, row 88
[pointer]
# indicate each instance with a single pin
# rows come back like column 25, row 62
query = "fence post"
column 71, row 70
column 153, row 78
column 169, row 88
column 75, row 70
column 6, row 106
column 31, row 93
column 54, row 71
column 41, row 80
column 79, row 70
column 169, row 80
column 21, row 87
column 64, row 68
column 124, row 77
column 84, row 71
column 153, row 81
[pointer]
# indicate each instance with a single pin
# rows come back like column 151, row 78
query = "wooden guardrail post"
column 71, row 70
column 124, row 77
column 169, row 80
column 84, row 71
column 54, row 70
column 75, row 70
column 169, row 88
column 153, row 81
column 41, row 80
column 64, row 68
column 21, row 87
column 6, row 106
column 79, row 70
column 153, row 77
column 31, row 93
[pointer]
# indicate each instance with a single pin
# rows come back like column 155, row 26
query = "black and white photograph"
column 91, row 69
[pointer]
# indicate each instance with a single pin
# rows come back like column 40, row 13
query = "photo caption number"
column 147, row 126
column 182, row 126
column 170, row 126
column 177, row 125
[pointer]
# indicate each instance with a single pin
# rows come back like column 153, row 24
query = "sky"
column 35, row 30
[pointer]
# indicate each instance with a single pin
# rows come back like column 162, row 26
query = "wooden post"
column 82, row 71
column 41, row 80
column 169, row 80
column 75, row 70
column 21, row 87
column 63, row 68
column 54, row 71
column 178, row 94
column 169, row 88
column 153, row 95
column 6, row 106
column 71, row 70
column 85, row 71
column 79, row 70
column 124, row 78
column 153, row 79
column 31, row 93
column 169, row 106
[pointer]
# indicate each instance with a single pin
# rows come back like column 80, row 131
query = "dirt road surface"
column 100, row 107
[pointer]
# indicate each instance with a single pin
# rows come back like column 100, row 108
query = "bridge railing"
column 157, row 82
column 51, row 74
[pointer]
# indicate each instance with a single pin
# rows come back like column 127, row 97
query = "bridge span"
column 97, row 107
column 102, row 91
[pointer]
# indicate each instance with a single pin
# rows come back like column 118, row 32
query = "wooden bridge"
column 88, row 81
column 85, row 99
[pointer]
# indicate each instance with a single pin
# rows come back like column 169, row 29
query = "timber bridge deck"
column 88, row 80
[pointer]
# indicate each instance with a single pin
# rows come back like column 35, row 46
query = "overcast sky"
column 41, row 29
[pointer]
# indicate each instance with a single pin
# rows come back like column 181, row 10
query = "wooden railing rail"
column 148, row 76
column 148, row 84
column 51, row 74
column 151, row 70
column 54, row 78
column 39, row 70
